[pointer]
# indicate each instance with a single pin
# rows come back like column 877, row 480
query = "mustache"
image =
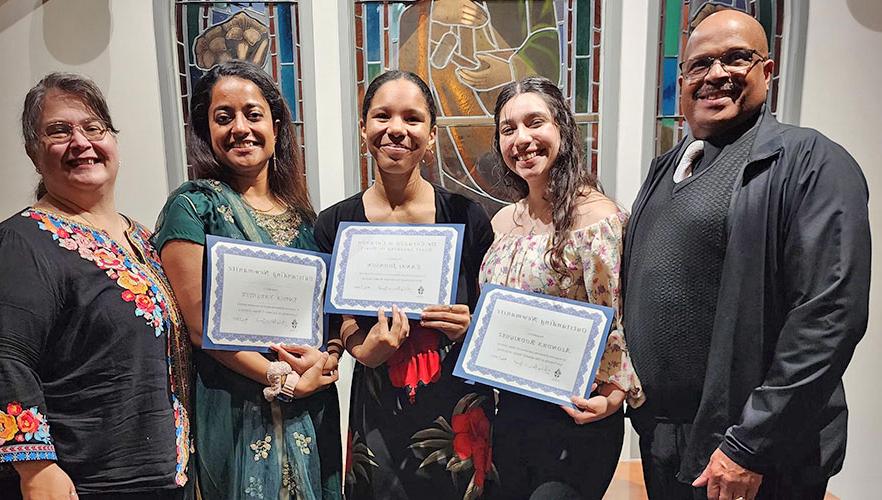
column 729, row 87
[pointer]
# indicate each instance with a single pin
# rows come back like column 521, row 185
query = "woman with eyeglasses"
column 94, row 359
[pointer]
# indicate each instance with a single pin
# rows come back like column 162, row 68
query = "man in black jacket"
column 746, row 286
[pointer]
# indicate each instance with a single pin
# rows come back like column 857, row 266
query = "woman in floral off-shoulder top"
column 563, row 238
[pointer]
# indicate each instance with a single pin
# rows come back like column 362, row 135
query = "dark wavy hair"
column 286, row 175
column 73, row 84
column 392, row 75
column 569, row 177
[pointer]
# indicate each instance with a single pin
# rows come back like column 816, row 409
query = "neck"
column 537, row 205
column 400, row 189
column 253, row 187
column 97, row 211
column 733, row 134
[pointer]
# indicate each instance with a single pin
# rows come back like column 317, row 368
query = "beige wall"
column 97, row 38
column 841, row 99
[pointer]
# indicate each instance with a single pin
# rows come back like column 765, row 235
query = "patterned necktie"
column 690, row 156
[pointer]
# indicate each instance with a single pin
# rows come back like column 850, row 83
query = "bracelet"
column 286, row 395
column 274, row 373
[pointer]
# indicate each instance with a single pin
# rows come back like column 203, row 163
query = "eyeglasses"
column 738, row 61
column 62, row 132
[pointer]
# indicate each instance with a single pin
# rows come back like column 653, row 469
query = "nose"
column 522, row 136
column 239, row 125
column 78, row 140
column 395, row 127
column 716, row 71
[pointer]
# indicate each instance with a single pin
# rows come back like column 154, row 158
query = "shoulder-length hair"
column 569, row 177
column 286, row 175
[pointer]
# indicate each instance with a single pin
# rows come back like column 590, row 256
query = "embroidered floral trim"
column 23, row 429
column 261, row 448
column 227, row 212
column 182, row 441
column 96, row 247
column 24, row 452
column 302, row 442
column 255, row 488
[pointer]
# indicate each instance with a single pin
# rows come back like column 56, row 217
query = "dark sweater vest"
column 673, row 281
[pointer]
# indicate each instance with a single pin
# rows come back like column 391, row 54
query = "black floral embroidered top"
column 91, row 346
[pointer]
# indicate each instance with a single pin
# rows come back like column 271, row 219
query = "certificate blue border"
column 339, row 259
column 214, row 269
column 580, row 311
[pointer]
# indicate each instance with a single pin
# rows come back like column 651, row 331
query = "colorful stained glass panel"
column 264, row 33
column 466, row 51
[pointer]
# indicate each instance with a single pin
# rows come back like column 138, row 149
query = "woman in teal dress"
column 249, row 443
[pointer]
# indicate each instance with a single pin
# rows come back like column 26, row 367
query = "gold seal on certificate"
column 257, row 295
column 540, row 346
column 378, row 265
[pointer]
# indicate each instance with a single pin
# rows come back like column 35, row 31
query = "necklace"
column 273, row 206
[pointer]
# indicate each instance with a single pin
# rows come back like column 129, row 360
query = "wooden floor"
column 627, row 484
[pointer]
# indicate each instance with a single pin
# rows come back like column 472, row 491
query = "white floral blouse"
column 593, row 255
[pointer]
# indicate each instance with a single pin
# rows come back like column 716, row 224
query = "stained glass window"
column 676, row 18
column 265, row 33
column 466, row 51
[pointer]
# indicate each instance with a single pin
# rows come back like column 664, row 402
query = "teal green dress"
column 247, row 447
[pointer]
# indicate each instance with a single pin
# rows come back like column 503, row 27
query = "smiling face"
column 79, row 165
column 721, row 100
column 397, row 128
column 243, row 134
column 529, row 139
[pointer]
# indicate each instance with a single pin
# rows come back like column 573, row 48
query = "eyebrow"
column 529, row 116
column 419, row 111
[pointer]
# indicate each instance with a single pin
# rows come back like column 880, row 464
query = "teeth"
column 527, row 156
column 243, row 144
column 87, row 161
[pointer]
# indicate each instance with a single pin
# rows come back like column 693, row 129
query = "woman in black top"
column 416, row 431
column 93, row 359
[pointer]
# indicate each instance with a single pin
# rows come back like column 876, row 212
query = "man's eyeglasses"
column 62, row 132
column 738, row 61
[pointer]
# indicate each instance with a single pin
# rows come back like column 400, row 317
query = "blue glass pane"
column 669, row 86
column 286, row 51
column 372, row 24
column 217, row 17
column 289, row 88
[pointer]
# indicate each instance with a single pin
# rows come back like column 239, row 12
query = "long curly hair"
column 569, row 177
column 286, row 175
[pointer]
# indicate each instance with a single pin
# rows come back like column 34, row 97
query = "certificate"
column 378, row 265
column 256, row 295
column 540, row 346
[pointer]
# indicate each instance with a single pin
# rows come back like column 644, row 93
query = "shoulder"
column 503, row 221
column 462, row 208
column 808, row 153
column 342, row 210
column 593, row 207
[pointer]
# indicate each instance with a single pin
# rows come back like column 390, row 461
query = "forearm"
column 362, row 346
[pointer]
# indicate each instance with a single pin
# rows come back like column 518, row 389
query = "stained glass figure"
column 466, row 51
column 264, row 33
column 677, row 18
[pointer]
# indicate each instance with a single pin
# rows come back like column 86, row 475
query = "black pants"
column 553, row 458
column 661, row 448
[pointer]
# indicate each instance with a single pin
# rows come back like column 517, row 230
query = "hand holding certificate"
column 257, row 295
column 380, row 265
column 536, row 345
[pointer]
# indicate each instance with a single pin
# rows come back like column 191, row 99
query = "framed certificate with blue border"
column 257, row 295
column 540, row 346
column 378, row 265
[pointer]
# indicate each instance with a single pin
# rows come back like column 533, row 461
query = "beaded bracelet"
column 274, row 373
